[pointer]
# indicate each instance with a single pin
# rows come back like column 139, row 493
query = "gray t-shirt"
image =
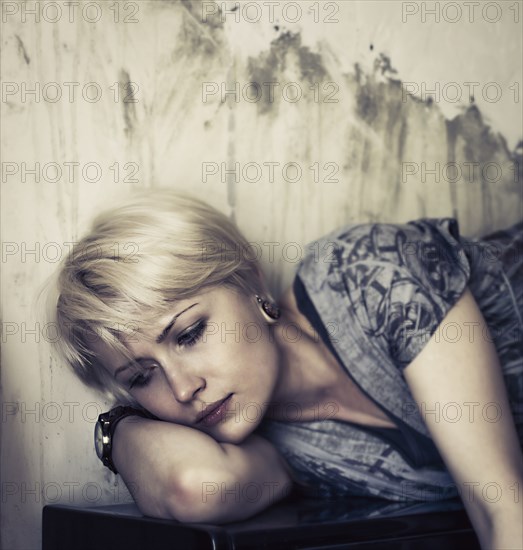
column 380, row 291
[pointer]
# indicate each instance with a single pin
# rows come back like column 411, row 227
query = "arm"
column 177, row 472
column 481, row 451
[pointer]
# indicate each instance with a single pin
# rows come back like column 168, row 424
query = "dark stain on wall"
column 22, row 50
column 311, row 65
column 202, row 31
column 481, row 146
column 277, row 63
column 381, row 126
column 128, row 106
column 205, row 13
column 389, row 127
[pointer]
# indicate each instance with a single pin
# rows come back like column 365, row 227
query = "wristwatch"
column 104, row 431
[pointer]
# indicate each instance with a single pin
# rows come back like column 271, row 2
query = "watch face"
column 98, row 439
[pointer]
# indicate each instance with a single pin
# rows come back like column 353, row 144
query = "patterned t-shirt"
column 417, row 449
column 381, row 291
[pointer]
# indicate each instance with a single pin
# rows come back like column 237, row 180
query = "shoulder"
column 390, row 276
column 392, row 240
column 418, row 245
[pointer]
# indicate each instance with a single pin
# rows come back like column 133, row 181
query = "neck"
column 307, row 376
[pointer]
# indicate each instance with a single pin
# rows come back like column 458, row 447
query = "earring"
column 269, row 308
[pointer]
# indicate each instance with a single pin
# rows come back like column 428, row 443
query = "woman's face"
column 212, row 347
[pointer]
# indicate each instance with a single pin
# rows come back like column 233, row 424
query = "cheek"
column 248, row 366
column 260, row 364
column 159, row 400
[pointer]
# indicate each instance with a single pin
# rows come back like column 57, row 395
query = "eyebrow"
column 159, row 339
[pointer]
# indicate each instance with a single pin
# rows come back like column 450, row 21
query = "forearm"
column 155, row 458
column 507, row 530
column 256, row 477
column 481, row 451
column 497, row 516
column 177, row 472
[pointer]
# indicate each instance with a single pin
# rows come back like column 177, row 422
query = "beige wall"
column 367, row 140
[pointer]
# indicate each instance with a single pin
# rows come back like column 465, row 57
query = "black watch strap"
column 106, row 427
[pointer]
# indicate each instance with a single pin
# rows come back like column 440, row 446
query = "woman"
column 382, row 371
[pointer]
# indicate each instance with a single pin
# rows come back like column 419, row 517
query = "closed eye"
column 141, row 379
column 187, row 339
column 191, row 336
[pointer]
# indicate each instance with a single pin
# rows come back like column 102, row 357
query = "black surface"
column 291, row 524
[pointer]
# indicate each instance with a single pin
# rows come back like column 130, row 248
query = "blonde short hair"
column 138, row 258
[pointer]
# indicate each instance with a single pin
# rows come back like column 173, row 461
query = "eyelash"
column 189, row 338
column 192, row 336
column 140, row 380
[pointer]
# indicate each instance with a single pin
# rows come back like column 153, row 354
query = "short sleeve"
column 403, row 279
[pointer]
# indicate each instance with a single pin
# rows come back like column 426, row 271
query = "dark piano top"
column 294, row 523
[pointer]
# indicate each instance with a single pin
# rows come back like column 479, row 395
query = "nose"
column 184, row 385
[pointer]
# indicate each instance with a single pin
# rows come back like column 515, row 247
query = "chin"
column 236, row 435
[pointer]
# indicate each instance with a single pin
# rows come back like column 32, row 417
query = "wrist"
column 105, row 431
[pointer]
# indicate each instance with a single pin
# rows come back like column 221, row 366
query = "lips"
column 213, row 410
